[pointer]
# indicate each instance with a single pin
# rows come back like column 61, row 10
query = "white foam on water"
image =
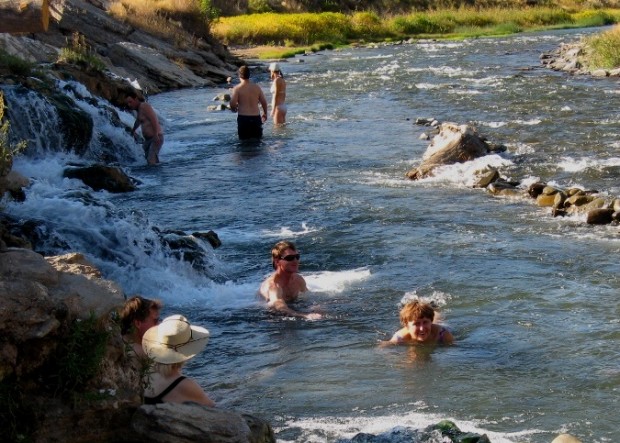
column 464, row 174
column 581, row 164
column 286, row 231
column 348, row 427
column 337, row 282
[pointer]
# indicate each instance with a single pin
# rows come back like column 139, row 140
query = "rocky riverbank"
column 572, row 58
column 156, row 63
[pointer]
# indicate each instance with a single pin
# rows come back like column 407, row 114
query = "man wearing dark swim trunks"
column 246, row 97
column 147, row 121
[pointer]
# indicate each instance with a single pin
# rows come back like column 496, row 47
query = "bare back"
column 246, row 98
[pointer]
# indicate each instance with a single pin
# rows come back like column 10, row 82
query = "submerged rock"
column 101, row 177
column 444, row 431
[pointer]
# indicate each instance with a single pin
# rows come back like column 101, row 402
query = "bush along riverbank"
column 288, row 34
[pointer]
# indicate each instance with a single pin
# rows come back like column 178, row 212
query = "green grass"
column 77, row 52
column 80, row 355
column 15, row 65
column 604, row 49
column 294, row 31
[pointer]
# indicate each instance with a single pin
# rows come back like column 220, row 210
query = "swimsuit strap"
column 160, row 398
column 442, row 333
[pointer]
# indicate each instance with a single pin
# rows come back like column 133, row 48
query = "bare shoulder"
column 266, row 286
column 300, row 283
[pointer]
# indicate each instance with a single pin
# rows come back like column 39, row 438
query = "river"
column 532, row 300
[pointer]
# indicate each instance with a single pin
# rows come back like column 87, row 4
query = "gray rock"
column 453, row 144
column 184, row 423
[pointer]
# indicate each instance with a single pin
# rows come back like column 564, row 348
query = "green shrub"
column 15, row 65
column 258, row 6
column 15, row 417
column 79, row 356
column 7, row 151
column 604, row 49
column 79, row 53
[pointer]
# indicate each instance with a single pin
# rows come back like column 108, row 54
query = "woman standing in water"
column 278, row 93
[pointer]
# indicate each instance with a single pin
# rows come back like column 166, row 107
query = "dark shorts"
column 151, row 149
column 249, row 126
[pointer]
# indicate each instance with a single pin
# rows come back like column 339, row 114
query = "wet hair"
column 278, row 249
column 131, row 92
column 136, row 308
column 244, row 72
column 416, row 310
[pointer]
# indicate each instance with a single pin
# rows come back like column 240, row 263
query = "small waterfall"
column 33, row 119
column 70, row 119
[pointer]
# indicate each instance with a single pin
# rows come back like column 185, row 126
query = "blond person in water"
column 169, row 345
column 285, row 284
column 417, row 318
column 278, row 94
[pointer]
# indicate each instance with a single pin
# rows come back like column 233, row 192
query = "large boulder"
column 65, row 372
column 453, row 144
column 185, row 423
column 101, row 177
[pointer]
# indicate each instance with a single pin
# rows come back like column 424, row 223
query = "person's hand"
column 264, row 118
column 313, row 316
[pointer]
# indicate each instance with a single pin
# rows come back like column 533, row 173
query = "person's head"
column 418, row 318
column 132, row 99
column 244, row 72
column 275, row 71
column 284, row 256
column 138, row 315
column 174, row 341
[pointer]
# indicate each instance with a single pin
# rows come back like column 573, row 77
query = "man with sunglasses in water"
column 285, row 284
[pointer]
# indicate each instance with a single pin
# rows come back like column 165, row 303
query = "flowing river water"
column 532, row 300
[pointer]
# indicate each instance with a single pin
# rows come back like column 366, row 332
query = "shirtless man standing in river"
column 285, row 284
column 245, row 99
column 148, row 122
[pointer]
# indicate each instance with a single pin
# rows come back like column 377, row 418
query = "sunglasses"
column 291, row 257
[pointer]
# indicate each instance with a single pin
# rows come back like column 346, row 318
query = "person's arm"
column 263, row 102
column 447, row 338
column 192, row 391
column 273, row 98
column 399, row 336
column 276, row 302
column 234, row 100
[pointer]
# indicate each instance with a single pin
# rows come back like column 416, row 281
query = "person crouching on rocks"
column 417, row 318
column 170, row 344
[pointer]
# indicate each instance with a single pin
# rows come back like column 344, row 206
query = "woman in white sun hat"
column 278, row 94
column 170, row 344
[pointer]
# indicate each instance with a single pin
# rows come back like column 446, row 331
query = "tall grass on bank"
column 166, row 18
column 604, row 49
column 337, row 28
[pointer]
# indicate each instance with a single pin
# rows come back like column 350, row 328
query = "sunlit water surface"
column 532, row 300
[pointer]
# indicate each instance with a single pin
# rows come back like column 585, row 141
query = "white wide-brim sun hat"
column 273, row 67
column 174, row 340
